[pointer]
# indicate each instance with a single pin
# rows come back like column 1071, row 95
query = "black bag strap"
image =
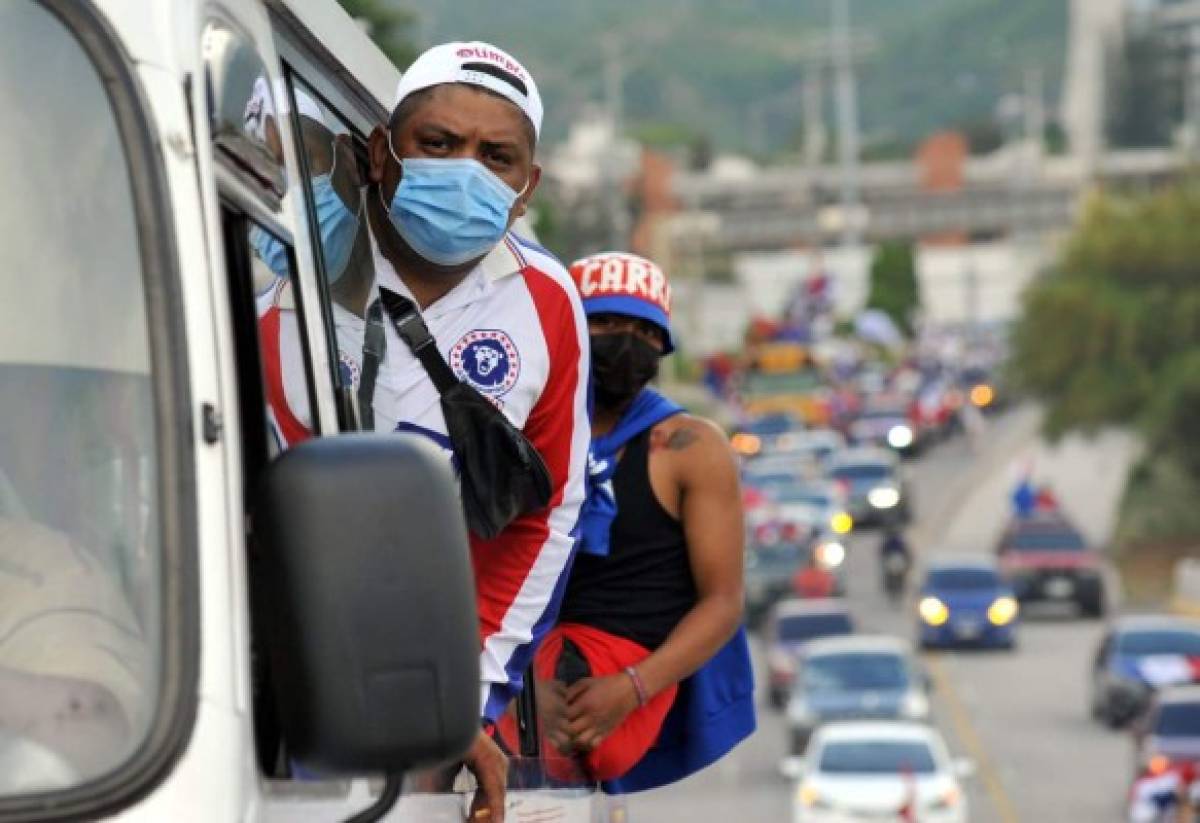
column 374, row 348
column 411, row 328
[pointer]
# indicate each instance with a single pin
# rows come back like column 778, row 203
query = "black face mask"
column 622, row 364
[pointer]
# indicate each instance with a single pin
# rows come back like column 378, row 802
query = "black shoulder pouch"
column 501, row 473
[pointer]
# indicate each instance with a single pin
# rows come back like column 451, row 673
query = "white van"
column 196, row 625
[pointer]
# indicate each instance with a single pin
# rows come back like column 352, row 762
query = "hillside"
column 708, row 65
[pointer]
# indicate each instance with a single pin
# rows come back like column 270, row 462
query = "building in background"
column 1176, row 26
column 1096, row 28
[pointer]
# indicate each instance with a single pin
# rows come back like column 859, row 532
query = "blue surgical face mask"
column 270, row 250
column 449, row 211
column 338, row 225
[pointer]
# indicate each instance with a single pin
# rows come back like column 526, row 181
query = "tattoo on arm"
column 681, row 438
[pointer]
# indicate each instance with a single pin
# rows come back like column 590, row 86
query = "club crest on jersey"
column 488, row 360
column 348, row 370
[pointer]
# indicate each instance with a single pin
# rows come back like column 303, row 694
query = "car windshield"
column 787, row 383
column 764, row 558
column 856, row 671
column 877, row 757
column 800, row 494
column 1178, row 720
column 962, row 579
column 861, row 471
column 801, row 627
column 769, row 480
column 1159, row 641
column 1045, row 541
column 775, row 424
column 792, row 443
column 883, row 414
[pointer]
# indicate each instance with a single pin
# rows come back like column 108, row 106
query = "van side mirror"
column 371, row 624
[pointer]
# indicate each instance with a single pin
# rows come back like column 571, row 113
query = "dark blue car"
column 1137, row 656
column 966, row 603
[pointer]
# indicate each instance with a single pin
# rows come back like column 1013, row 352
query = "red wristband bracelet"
column 637, row 685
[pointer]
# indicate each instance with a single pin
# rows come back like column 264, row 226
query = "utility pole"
column 1035, row 108
column 971, row 296
column 614, row 89
column 847, row 106
column 814, row 120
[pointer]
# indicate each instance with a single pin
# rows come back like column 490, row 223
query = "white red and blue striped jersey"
column 514, row 330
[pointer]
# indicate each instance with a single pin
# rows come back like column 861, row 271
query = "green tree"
column 389, row 24
column 1112, row 334
column 894, row 283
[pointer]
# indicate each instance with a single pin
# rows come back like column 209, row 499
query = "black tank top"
column 644, row 586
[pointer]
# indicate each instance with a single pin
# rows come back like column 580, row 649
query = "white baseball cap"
column 260, row 106
column 477, row 64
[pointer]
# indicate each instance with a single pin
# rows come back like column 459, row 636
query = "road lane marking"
column 965, row 731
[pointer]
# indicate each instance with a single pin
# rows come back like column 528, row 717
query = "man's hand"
column 596, row 706
column 552, row 714
column 490, row 767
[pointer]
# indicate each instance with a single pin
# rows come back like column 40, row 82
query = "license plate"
column 967, row 629
column 1059, row 587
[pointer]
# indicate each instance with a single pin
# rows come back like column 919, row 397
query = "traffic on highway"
column 917, row 672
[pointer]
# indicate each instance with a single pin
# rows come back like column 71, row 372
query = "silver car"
column 855, row 677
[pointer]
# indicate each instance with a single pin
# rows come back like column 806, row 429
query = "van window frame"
column 304, row 56
column 175, row 414
column 349, row 418
column 306, row 61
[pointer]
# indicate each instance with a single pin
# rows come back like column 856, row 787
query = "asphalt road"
column 1021, row 716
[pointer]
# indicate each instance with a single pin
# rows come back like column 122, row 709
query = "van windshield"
column 79, row 550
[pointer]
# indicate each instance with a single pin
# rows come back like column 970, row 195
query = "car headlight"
column 933, row 611
column 915, row 706
column 1003, row 611
column 841, row 523
column 982, row 395
column 830, row 555
column 746, row 444
column 810, row 797
column 900, row 437
column 884, row 497
column 946, row 799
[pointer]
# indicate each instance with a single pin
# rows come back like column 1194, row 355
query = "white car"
column 884, row 772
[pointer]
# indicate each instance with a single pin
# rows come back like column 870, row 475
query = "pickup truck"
column 1047, row 559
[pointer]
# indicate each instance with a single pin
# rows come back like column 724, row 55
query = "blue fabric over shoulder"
column 712, row 713
column 600, row 505
column 714, row 708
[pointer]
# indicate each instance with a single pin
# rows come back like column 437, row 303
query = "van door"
column 284, row 390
